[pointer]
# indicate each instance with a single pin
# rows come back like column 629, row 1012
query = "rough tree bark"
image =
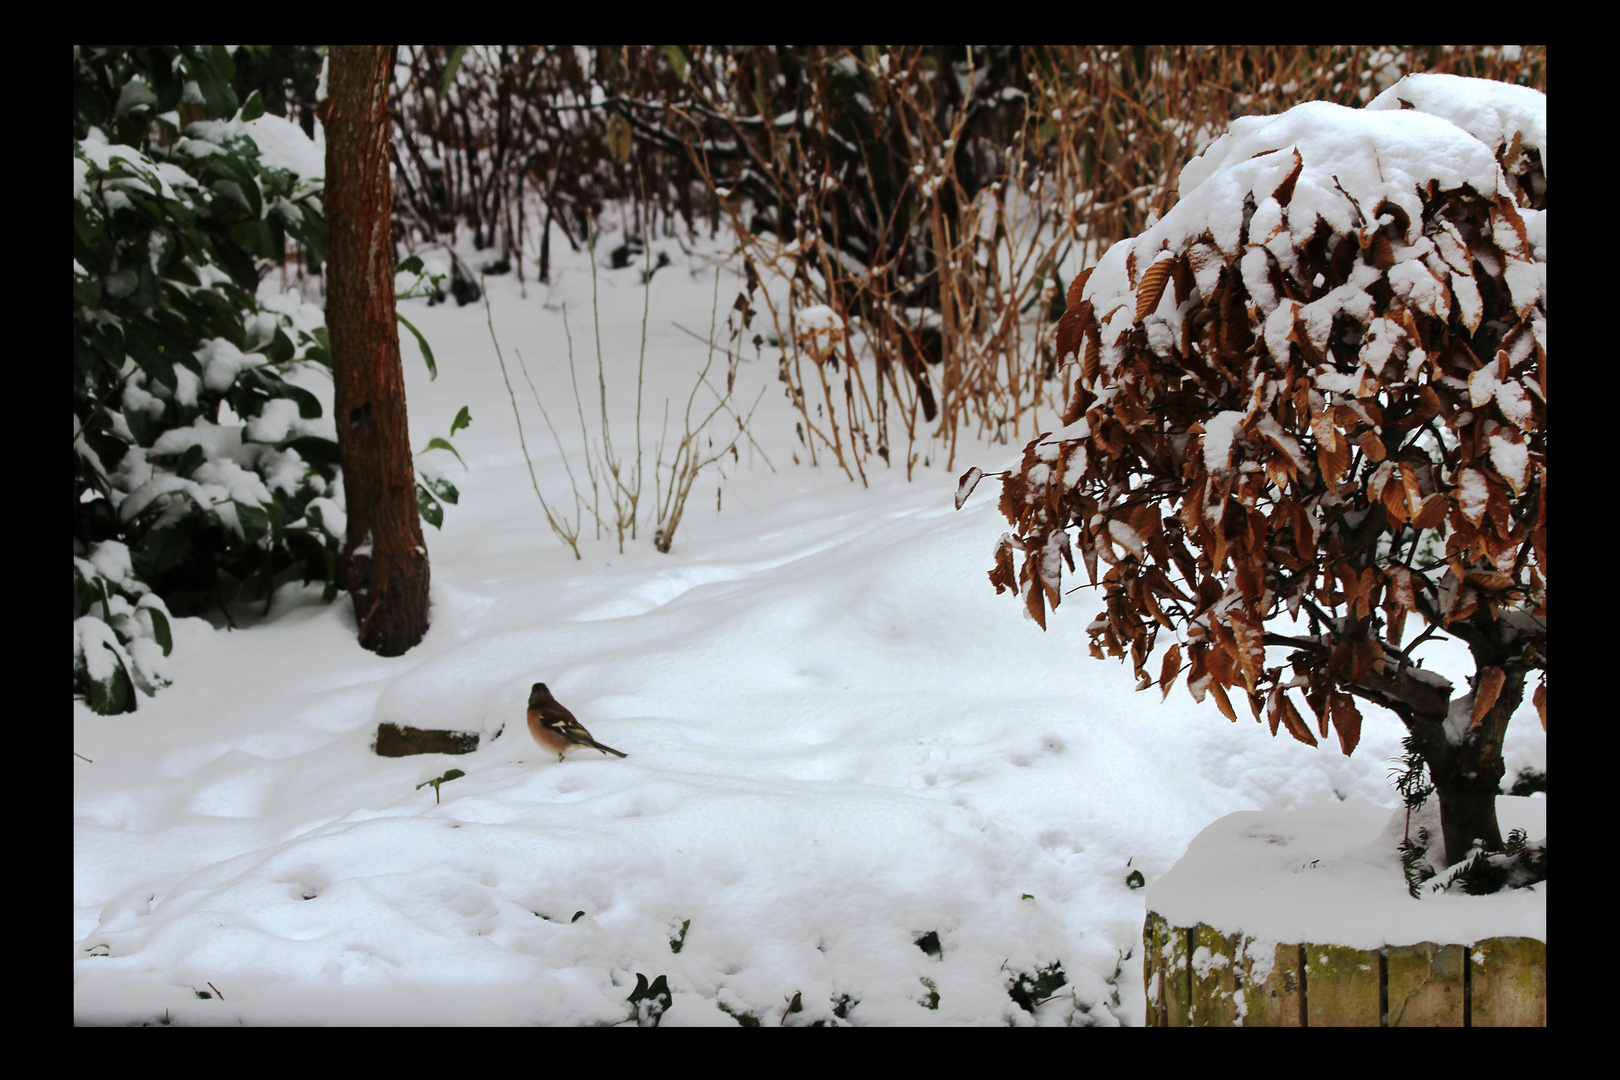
column 384, row 563
column 1461, row 744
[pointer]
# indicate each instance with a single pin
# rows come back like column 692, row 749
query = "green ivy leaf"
column 427, row 353
column 411, row 265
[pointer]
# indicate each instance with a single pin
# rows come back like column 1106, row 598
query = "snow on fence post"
column 1199, row 976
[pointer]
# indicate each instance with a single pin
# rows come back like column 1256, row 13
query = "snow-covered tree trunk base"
column 1199, row 977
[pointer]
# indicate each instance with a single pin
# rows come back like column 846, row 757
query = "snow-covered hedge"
column 193, row 453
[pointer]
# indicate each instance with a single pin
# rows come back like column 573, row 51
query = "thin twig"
column 556, row 527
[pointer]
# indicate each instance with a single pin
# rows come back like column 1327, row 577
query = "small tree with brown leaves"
column 1316, row 392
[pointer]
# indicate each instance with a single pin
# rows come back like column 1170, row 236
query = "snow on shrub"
column 193, row 453
column 1317, row 389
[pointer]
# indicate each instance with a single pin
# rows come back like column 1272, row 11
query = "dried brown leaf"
column 1171, row 668
column 1297, row 727
column 1033, row 601
column 1382, row 254
column 1004, row 576
column 1346, row 721
column 1372, row 446
column 965, row 486
column 1222, row 702
column 1486, row 690
column 1152, row 286
column 1285, row 190
column 1431, row 513
column 1488, row 580
column 1075, row 316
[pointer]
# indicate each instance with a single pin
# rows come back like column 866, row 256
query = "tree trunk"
column 384, row 563
column 1464, row 757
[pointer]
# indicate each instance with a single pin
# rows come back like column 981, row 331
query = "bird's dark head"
column 539, row 695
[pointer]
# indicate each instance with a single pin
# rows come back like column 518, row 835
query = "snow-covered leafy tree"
column 193, row 455
column 1312, row 403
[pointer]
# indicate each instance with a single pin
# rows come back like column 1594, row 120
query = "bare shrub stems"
column 689, row 459
column 567, row 535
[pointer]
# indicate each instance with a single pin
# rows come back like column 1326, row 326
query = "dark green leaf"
column 309, row 406
column 451, row 68
column 441, row 487
column 1135, row 879
column 222, row 59
column 87, row 291
column 114, row 694
column 463, row 419
column 659, row 988
column 190, row 461
column 87, row 223
column 454, row 774
column 254, row 237
column 166, row 549
column 432, row 512
column 160, row 630
column 316, row 450
column 253, row 108
column 427, row 353
column 84, row 594
column 411, row 265
column 255, row 521
column 280, row 351
column 437, row 443
column 213, row 82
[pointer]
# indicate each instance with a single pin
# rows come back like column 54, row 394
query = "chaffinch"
column 555, row 728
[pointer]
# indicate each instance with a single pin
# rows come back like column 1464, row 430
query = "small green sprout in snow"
column 453, row 774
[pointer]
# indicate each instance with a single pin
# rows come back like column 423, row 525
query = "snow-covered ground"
column 840, row 741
